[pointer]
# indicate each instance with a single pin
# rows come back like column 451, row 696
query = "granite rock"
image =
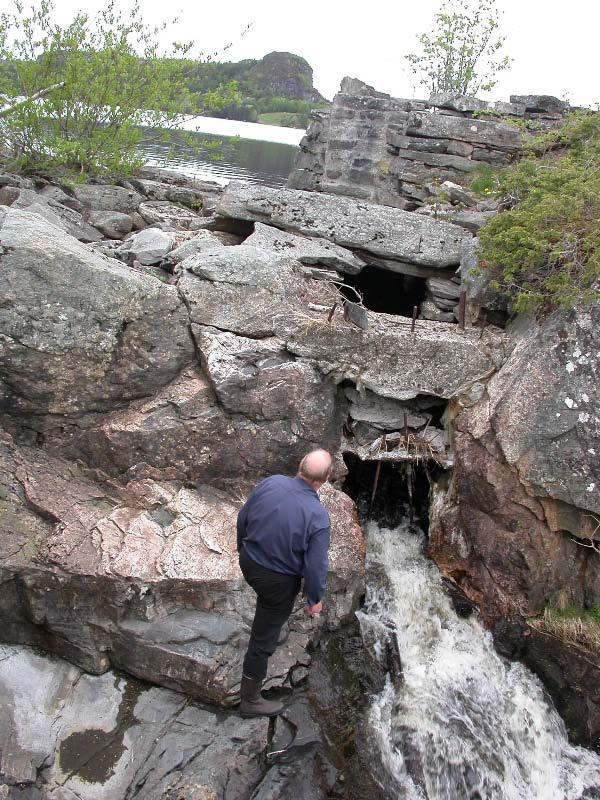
column 380, row 230
column 145, row 577
column 80, row 331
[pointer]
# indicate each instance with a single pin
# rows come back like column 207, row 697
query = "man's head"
column 315, row 468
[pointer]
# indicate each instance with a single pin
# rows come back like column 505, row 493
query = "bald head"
column 315, row 466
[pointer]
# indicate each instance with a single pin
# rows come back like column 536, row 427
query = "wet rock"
column 305, row 249
column 67, row 734
column 102, row 197
column 145, row 577
column 524, row 487
column 380, row 230
column 164, row 212
column 112, row 224
column 81, row 332
column 570, row 673
column 149, row 246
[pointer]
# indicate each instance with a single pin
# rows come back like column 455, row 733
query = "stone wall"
column 399, row 152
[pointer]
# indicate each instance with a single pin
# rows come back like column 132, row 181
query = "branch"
column 42, row 93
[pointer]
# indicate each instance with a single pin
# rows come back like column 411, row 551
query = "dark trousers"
column 275, row 595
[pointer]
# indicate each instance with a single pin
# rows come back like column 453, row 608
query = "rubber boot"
column 253, row 704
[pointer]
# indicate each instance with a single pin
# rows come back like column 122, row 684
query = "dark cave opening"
column 389, row 492
column 385, row 291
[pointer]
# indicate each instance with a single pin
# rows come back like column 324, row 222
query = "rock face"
column 144, row 577
column 66, row 734
column 524, row 498
column 81, row 332
column 382, row 231
column 396, row 152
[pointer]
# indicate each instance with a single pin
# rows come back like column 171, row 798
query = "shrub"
column 109, row 77
column 546, row 246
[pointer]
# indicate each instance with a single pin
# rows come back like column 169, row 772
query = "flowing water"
column 222, row 150
column 460, row 722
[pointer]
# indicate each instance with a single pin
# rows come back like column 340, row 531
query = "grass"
column 285, row 119
column 578, row 626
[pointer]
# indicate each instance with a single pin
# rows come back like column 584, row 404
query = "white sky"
column 554, row 45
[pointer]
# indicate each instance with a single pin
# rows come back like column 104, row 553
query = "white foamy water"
column 464, row 723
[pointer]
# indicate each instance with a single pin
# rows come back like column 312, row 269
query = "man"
column 283, row 535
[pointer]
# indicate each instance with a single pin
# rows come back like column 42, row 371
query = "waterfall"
column 459, row 722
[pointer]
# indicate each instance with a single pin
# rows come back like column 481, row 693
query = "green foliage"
column 546, row 246
column 462, row 53
column 485, row 181
column 279, row 82
column 110, row 78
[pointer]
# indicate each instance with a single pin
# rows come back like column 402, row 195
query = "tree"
column 462, row 54
column 77, row 95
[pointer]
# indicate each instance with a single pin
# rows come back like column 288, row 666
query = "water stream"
column 460, row 722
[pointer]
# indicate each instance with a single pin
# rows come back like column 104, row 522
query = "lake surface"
column 222, row 150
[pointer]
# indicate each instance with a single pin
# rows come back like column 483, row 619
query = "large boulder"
column 110, row 737
column 160, row 211
column 104, row 197
column 80, row 331
column 113, row 224
column 389, row 358
column 240, row 289
column 380, row 230
column 145, row 578
column 148, row 247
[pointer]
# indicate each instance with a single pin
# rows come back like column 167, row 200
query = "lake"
column 205, row 148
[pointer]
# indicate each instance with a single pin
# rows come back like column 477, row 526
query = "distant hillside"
column 277, row 89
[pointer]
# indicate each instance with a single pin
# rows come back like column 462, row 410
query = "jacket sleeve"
column 241, row 523
column 316, row 566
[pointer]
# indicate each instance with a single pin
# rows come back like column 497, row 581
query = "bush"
column 546, row 246
column 104, row 77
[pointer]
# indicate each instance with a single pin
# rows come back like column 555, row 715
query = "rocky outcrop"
column 66, row 734
column 517, row 527
column 144, row 576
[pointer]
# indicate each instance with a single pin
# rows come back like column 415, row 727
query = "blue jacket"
column 284, row 528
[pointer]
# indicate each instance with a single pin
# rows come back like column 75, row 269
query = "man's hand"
column 314, row 611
